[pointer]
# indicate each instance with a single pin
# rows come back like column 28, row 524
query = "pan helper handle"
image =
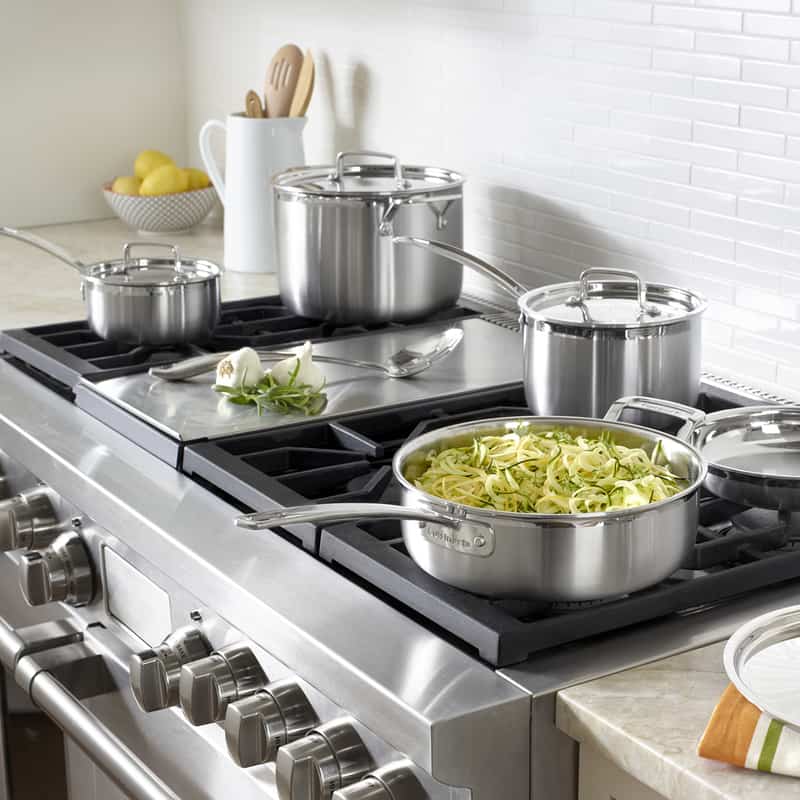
column 692, row 418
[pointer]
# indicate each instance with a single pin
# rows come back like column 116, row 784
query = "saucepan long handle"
column 44, row 244
column 505, row 281
column 331, row 513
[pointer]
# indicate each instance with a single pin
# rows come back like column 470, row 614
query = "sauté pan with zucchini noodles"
column 548, row 472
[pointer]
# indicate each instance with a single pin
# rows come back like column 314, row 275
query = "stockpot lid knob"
column 331, row 757
column 256, row 726
column 206, row 687
column 62, row 572
column 155, row 673
column 28, row 520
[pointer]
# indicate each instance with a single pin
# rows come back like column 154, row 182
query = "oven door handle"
column 102, row 746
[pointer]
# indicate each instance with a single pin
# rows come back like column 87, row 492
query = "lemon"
column 166, row 179
column 148, row 160
column 197, row 178
column 126, row 184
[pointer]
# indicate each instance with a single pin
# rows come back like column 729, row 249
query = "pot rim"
column 99, row 272
column 700, row 304
column 286, row 182
column 419, row 443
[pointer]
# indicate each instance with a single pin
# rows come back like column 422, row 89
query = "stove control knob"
column 28, row 520
column 331, row 757
column 257, row 726
column 62, row 572
column 155, row 673
column 206, row 687
column 395, row 781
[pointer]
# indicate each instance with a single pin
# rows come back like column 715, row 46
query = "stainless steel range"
column 184, row 657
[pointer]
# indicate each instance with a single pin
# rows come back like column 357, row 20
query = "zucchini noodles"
column 550, row 472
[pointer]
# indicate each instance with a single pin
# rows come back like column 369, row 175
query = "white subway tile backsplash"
column 771, row 25
column 700, row 18
column 754, row 94
column 739, row 138
column 661, row 136
column 737, row 183
column 712, row 66
column 696, row 109
column 614, row 9
column 743, row 46
column 764, row 119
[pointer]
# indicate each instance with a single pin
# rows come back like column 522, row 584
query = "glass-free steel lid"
column 355, row 177
column 623, row 302
column 150, row 272
column 761, row 659
column 754, row 442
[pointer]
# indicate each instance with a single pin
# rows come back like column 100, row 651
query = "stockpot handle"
column 331, row 513
column 505, row 281
column 114, row 757
column 692, row 418
column 593, row 272
column 128, row 246
column 398, row 167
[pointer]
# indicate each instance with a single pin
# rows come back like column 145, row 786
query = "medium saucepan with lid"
column 607, row 335
column 561, row 557
column 144, row 300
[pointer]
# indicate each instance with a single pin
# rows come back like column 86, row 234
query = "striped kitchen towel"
column 741, row 734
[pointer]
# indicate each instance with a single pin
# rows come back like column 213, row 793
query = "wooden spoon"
column 282, row 74
column 252, row 105
column 304, row 88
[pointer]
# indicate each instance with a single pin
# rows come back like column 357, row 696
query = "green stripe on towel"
column 770, row 745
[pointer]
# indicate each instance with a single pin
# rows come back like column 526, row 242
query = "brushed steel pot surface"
column 554, row 557
column 336, row 260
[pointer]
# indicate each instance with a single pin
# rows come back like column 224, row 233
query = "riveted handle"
column 353, row 154
column 692, row 417
column 588, row 275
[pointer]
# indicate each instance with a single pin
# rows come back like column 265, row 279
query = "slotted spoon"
column 281, row 81
column 403, row 364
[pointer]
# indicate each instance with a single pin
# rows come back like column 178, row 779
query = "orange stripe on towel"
column 730, row 730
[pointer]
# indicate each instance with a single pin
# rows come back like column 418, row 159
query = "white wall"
column 659, row 136
column 83, row 87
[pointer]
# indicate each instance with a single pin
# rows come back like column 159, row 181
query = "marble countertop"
column 39, row 289
column 648, row 721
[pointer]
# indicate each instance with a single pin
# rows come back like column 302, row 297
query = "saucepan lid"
column 355, row 177
column 761, row 660
column 753, row 442
column 623, row 302
column 147, row 271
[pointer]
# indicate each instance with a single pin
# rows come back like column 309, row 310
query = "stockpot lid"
column 151, row 272
column 624, row 302
column 353, row 177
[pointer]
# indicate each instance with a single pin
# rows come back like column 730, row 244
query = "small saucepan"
column 144, row 300
column 560, row 557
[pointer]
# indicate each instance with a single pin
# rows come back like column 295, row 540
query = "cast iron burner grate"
column 67, row 351
column 737, row 550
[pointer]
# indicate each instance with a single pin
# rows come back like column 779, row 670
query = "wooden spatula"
column 282, row 74
column 304, row 88
column 252, row 105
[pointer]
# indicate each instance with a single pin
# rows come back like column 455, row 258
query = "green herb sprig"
column 284, row 398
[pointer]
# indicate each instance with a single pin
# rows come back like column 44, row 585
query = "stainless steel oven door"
column 79, row 679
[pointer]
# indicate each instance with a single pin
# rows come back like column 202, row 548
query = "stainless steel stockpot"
column 333, row 234
column 557, row 557
column 144, row 301
column 590, row 341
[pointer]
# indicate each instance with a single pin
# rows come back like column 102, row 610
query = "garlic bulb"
column 308, row 374
column 242, row 368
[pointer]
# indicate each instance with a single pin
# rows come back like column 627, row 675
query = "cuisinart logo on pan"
column 478, row 545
